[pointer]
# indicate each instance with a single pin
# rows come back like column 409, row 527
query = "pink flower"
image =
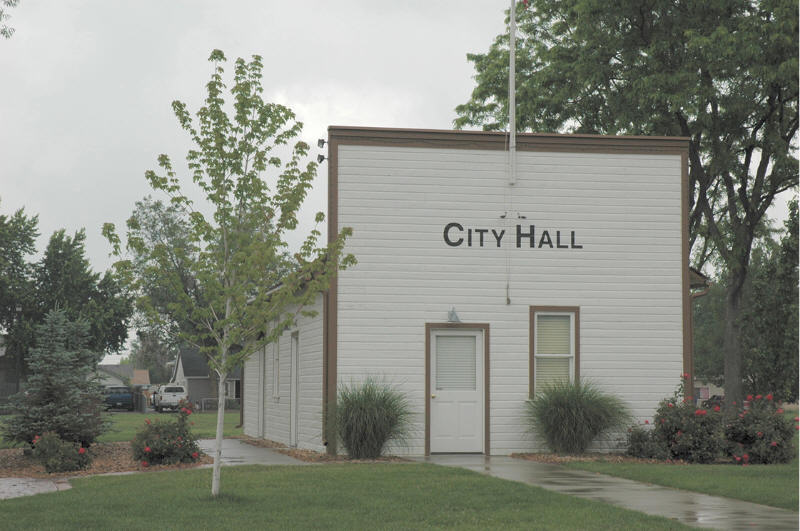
column 147, row 449
column 741, row 415
column 745, row 457
column 685, row 376
column 779, row 410
column 797, row 419
column 671, row 404
column 760, row 434
column 145, row 463
column 716, row 408
column 769, row 397
column 195, row 455
column 773, row 443
column 758, row 397
column 647, row 421
column 738, row 458
column 81, row 450
column 700, row 412
column 749, row 397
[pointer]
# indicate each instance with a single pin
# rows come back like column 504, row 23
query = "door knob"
column 433, row 396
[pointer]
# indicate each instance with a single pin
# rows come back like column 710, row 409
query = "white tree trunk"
column 218, row 442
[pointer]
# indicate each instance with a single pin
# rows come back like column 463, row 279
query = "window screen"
column 552, row 334
column 455, row 362
column 551, row 370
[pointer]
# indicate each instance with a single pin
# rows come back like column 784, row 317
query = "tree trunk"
column 731, row 342
column 218, row 442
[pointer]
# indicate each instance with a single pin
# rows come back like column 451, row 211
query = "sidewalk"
column 236, row 452
column 690, row 508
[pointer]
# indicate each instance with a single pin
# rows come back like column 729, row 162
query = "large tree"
column 251, row 171
column 18, row 234
column 722, row 73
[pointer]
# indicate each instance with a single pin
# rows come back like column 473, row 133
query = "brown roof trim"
column 494, row 140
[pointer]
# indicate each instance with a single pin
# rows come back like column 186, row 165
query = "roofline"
column 498, row 140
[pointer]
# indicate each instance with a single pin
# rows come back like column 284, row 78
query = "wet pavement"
column 690, row 508
column 236, row 452
column 16, row 487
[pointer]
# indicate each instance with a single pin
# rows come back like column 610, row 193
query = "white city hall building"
column 476, row 284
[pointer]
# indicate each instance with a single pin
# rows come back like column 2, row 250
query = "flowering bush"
column 680, row 431
column 760, row 433
column 641, row 443
column 58, row 455
column 166, row 442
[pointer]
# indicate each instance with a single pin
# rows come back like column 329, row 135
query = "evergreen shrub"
column 369, row 415
column 62, row 394
column 569, row 416
column 58, row 455
column 166, row 442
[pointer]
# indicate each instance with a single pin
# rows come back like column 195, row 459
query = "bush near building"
column 166, row 442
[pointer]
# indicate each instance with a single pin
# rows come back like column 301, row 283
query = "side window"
column 554, row 355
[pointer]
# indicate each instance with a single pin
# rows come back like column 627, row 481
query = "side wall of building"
column 619, row 216
column 268, row 408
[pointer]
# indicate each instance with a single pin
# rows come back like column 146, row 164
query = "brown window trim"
column 576, row 310
column 429, row 327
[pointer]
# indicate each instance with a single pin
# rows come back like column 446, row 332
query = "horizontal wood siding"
column 276, row 410
column 253, row 366
column 625, row 210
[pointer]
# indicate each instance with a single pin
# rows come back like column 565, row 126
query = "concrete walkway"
column 236, row 452
column 687, row 507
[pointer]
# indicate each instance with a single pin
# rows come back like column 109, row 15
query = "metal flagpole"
column 512, row 104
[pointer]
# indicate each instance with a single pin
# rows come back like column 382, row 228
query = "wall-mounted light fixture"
column 320, row 158
column 321, row 142
column 452, row 316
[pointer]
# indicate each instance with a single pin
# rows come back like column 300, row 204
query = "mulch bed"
column 310, row 456
column 106, row 458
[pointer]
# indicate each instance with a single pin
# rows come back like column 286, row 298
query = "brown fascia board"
column 498, row 140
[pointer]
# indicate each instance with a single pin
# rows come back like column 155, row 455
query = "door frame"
column 429, row 328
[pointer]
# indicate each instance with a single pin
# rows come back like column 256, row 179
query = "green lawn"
column 775, row 485
column 385, row 496
column 124, row 425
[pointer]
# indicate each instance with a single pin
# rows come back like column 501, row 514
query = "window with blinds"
column 455, row 363
column 553, row 349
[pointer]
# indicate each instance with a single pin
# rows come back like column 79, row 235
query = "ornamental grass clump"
column 58, row 455
column 569, row 416
column 760, row 434
column 369, row 415
column 166, row 442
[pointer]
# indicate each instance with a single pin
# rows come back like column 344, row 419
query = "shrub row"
column 756, row 433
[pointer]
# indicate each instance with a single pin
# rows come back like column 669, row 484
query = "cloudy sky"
column 87, row 86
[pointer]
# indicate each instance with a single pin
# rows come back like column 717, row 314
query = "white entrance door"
column 294, row 396
column 457, row 391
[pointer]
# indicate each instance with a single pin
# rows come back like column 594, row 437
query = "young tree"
column 723, row 74
column 62, row 394
column 234, row 254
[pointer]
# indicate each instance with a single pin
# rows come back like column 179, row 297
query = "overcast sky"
column 86, row 86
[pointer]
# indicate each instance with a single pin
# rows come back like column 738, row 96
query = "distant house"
column 191, row 371
column 116, row 375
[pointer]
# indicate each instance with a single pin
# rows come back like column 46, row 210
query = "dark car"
column 118, row 398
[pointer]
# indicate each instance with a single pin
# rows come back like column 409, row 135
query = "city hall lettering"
column 526, row 236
